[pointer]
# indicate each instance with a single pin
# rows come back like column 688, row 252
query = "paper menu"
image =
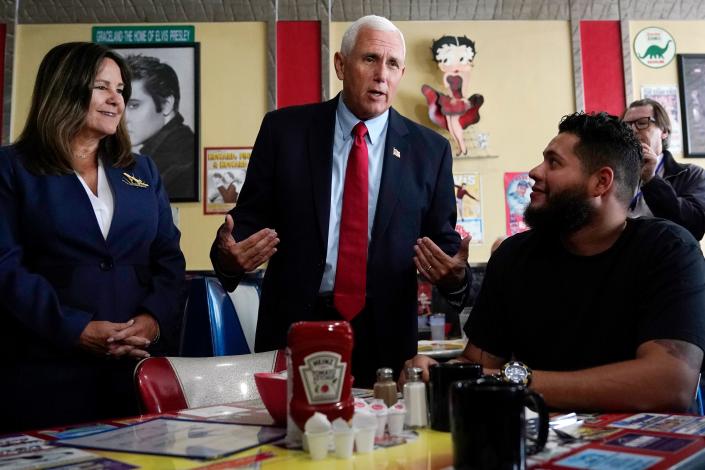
column 179, row 438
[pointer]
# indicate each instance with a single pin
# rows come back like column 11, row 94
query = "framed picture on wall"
column 691, row 81
column 224, row 174
column 162, row 112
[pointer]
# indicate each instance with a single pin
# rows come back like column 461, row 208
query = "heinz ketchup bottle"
column 319, row 358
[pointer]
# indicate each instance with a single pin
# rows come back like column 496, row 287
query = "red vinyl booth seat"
column 166, row 384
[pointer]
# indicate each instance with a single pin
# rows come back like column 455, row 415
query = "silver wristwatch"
column 515, row 372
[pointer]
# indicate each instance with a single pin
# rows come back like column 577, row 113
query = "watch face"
column 516, row 373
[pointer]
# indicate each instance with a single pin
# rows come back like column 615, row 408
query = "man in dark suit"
column 335, row 253
column 667, row 189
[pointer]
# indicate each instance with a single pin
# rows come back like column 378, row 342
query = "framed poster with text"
column 223, row 176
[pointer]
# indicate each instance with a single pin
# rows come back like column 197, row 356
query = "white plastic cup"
column 438, row 326
column 365, row 440
column 395, row 422
column 344, row 441
column 318, row 444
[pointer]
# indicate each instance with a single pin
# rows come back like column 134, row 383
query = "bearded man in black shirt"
column 611, row 313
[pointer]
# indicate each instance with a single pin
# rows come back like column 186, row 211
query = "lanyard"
column 635, row 199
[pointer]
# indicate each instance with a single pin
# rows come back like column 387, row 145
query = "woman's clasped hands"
column 131, row 338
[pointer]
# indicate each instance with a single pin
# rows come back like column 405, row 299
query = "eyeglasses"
column 641, row 123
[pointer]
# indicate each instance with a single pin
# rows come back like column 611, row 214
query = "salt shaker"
column 415, row 399
column 385, row 388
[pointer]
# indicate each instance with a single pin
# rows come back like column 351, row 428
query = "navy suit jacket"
column 288, row 188
column 57, row 272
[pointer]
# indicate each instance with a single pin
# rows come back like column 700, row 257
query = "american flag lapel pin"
column 396, row 152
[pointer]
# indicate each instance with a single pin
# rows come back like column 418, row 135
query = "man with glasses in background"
column 666, row 189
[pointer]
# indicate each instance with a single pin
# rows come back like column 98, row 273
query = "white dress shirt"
column 103, row 204
column 376, row 138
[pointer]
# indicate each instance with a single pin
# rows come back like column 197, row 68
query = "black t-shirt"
column 557, row 311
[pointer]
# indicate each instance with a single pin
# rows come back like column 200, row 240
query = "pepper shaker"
column 385, row 388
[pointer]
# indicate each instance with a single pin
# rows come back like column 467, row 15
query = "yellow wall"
column 233, row 100
column 524, row 71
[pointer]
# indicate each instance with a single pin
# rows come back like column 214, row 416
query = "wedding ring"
column 428, row 268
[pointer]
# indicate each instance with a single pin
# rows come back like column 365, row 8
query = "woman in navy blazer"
column 90, row 265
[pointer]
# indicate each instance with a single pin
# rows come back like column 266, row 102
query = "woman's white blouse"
column 103, row 205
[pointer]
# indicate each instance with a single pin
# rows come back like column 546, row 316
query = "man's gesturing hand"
column 439, row 268
column 236, row 257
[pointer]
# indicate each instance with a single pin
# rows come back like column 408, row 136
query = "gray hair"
column 660, row 116
column 377, row 23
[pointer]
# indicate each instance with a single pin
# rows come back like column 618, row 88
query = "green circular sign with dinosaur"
column 654, row 47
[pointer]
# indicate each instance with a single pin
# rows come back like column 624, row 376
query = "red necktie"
column 351, row 273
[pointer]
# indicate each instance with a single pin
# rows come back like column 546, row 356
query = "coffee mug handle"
column 535, row 402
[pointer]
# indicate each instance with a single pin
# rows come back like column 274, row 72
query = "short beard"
column 563, row 213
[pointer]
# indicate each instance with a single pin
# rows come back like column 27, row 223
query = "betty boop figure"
column 453, row 111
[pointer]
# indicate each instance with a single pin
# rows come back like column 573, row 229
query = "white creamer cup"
column 361, row 405
column 381, row 424
column 318, row 444
column 380, row 410
column 395, row 421
column 365, row 439
column 344, row 441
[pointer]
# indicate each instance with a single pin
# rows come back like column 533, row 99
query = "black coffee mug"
column 442, row 375
column 488, row 425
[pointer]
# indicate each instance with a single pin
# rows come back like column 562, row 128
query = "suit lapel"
column 320, row 155
column 83, row 216
column 396, row 154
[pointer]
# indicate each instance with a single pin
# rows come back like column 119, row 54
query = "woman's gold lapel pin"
column 133, row 181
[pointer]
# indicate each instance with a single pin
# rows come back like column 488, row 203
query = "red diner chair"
column 167, row 384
